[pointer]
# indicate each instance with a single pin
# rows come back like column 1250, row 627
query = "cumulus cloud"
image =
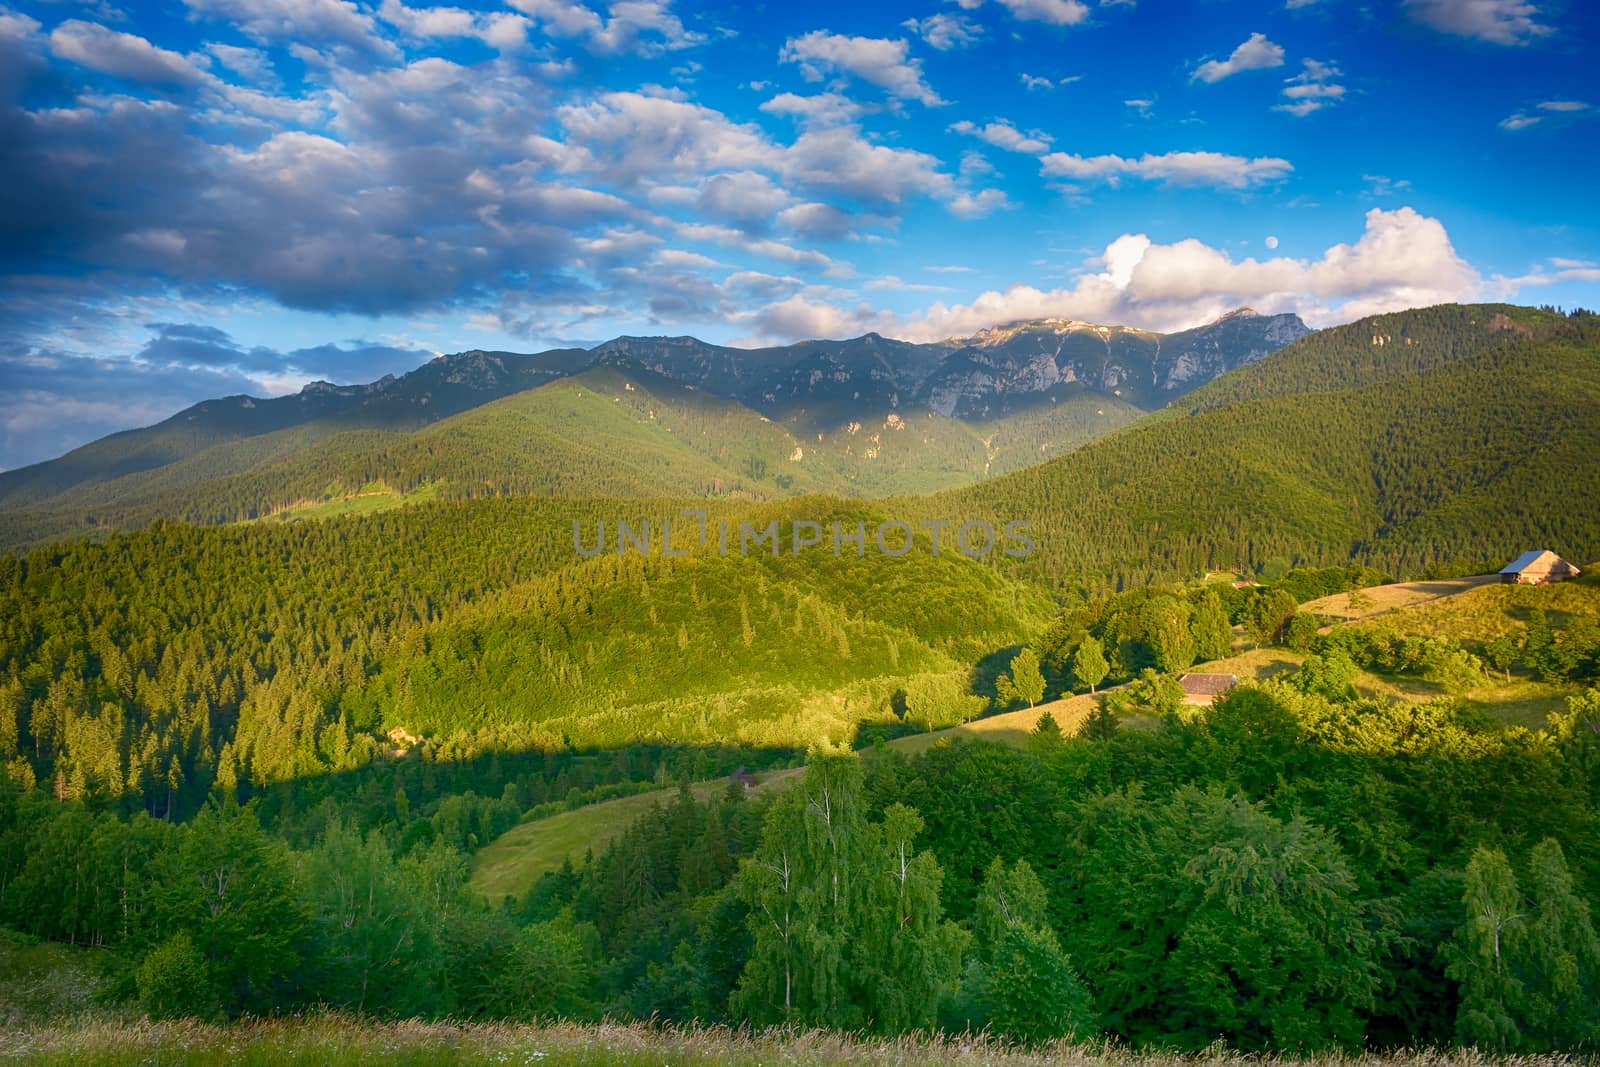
column 647, row 27
column 122, row 55
column 821, row 109
column 745, row 198
column 1051, row 12
column 1002, row 134
column 283, row 21
column 1256, row 53
column 875, row 60
column 1175, row 168
column 502, row 30
column 819, row 221
column 799, row 317
column 944, row 31
column 1505, row 22
column 840, row 160
column 1402, row 259
column 976, row 205
column 252, row 64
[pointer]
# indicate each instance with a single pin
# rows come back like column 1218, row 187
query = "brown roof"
column 1207, row 684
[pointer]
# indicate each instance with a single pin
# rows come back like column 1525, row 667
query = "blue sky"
column 206, row 197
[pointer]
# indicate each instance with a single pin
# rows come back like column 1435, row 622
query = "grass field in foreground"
column 343, row 1040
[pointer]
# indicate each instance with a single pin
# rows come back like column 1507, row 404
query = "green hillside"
column 1475, row 454
column 607, row 431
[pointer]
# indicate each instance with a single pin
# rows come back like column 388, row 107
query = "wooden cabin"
column 1202, row 690
column 1537, row 567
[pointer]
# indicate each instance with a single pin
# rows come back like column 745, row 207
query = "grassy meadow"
column 1473, row 608
column 344, row 1040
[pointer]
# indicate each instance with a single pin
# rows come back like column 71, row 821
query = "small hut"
column 1539, row 566
column 1202, row 690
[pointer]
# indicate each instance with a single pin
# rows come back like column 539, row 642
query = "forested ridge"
column 607, row 432
column 1480, row 446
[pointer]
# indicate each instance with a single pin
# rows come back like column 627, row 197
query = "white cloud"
column 839, row 159
column 1556, row 269
column 822, row 109
column 1382, row 185
column 977, row 205
column 1256, row 53
column 944, row 32
column 1053, row 12
column 878, row 61
column 1403, row 259
column 562, row 18
column 745, row 198
column 1312, row 89
column 337, row 21
column 975, row 165
column 123, row 55
column 629, row 136
column 1557, row 111
column 1176, row 168
column 677, row 258
column 252, row 64
column 1507, row 22
column 1140, row 105
column 818, row 220
column 501, row 30
column 647, row 27
column 800, row 318
column 729, row 237
column 1035, row 81
column 948, row 268
column 1002, row 134
column 892, row 283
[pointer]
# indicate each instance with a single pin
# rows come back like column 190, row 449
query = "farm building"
column 1203, row 689
column 1537, row 567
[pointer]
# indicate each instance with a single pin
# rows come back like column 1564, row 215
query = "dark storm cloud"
column 51, row 402
column 190, row 345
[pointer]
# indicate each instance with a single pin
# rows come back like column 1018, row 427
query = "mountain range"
column 865, row 416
